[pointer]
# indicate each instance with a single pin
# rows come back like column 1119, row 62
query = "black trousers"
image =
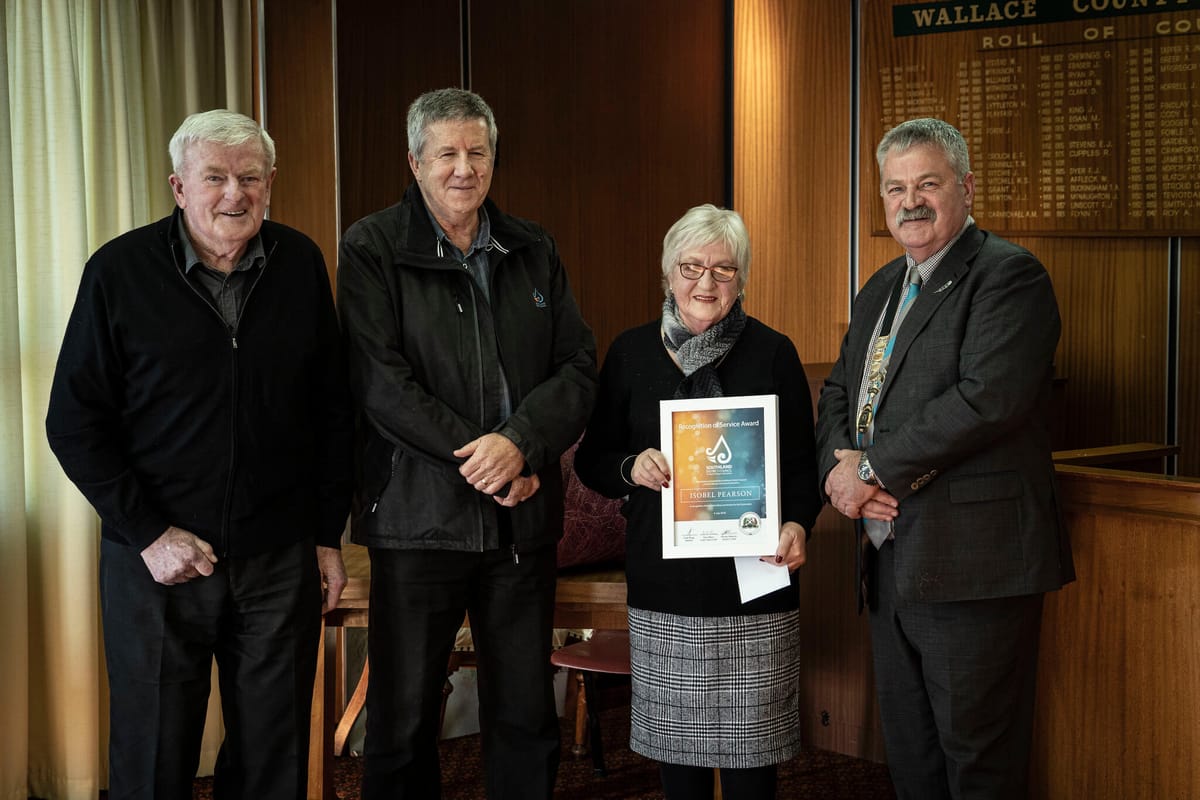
column 418, row 598
column 260, row 617
column 696, row 783
column 956, row 685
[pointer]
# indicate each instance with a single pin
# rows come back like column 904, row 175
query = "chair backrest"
column 593, row 528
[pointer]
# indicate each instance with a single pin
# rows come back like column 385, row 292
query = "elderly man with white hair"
column 200, row 404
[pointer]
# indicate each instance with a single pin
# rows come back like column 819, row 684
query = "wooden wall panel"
column 874, row 251
column 298, row 102
column 791, row 165
column 1113, row 298
column 1119, row 672
column 611, row 126
column 792, row 160
column 1189, row 360
column 838, row 707
column 542, row 171
column 388, row 53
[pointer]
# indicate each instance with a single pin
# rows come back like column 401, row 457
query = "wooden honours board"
column 1081, row 115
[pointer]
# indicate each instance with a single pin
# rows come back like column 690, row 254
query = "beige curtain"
column 92, row 91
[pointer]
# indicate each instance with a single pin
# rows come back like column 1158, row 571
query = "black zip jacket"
column 425, row 348
column 163, row 415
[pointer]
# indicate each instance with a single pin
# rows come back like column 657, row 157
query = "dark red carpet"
column 813, row 774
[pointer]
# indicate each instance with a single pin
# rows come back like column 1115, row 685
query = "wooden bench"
column 1137, row 456
column 585, row 599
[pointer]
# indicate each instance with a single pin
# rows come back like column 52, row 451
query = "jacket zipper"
column 483, row 399
column 227, row 502
column 479, row 381
column 478, row 358
column 391, row 474
column 235, row 395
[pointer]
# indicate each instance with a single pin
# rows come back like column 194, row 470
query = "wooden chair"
column 606, row 653
column 585, row 599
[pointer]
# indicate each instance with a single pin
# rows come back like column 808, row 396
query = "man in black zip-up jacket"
column 200, row 404
column 473, row 371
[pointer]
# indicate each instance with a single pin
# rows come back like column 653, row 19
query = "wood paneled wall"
column 1113, row 297
column 792, row 162
column 792, row 151
column 611, row 126
column 838, row 707
column 297, row 96
column 1119, row 670
column 388, row 53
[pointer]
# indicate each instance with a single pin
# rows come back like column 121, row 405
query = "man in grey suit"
column 932, row 433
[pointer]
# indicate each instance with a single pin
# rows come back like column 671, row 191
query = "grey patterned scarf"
column 699, row 354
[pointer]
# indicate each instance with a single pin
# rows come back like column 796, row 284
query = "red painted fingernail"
column 778, row 559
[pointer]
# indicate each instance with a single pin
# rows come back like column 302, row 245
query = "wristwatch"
column 865, row 473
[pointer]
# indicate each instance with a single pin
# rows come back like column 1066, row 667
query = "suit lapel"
column 942, row 284
column 870, row 304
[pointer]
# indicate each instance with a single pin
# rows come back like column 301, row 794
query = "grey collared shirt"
column 476, row 259
column 228, row 290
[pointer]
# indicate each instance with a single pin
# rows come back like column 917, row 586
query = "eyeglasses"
column 722, row 273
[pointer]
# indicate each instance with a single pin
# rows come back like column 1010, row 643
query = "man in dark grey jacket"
column 473, row 372
column 933, row 430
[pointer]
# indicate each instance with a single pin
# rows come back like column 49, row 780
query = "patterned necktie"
column 876, row 530
column 910, row 294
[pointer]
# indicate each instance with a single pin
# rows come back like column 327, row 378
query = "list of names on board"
column 1075, row 126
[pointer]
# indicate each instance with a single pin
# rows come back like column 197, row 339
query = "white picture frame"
column 724, row 494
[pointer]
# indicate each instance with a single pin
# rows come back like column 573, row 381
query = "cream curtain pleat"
column 92, row 91
column 14, row 659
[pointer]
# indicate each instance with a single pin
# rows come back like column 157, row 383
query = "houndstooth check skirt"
column 715, row 691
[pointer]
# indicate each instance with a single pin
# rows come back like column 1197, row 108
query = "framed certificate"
column 724, row 495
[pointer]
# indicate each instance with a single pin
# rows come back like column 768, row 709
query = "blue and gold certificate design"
column 724, row 455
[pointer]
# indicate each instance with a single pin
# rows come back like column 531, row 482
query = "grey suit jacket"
column 961, row 426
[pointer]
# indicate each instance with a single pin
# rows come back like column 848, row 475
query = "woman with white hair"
column 715, row 680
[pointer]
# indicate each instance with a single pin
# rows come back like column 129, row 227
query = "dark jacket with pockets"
column 425, row 348
column 962, row 424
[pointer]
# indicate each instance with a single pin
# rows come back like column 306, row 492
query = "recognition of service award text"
column 724, row 494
